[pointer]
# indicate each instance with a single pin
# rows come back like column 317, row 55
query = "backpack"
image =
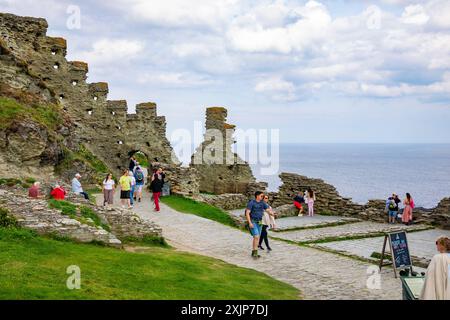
column 392, row 205
column 139, row 176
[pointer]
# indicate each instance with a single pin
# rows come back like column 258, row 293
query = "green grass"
column 11, row 110
column 147, row 241
column 7, row 221
column 200, row 209
column 67, row 208
column 33, row 267
column 142, row 159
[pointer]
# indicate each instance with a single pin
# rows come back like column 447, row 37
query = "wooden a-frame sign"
column 398, row 245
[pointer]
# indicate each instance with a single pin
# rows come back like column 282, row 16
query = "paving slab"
column 421, row 244
column 365, row 228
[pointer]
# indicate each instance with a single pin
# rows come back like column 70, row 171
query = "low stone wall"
column 226, row 201
column 36, row 215
column 124, row 223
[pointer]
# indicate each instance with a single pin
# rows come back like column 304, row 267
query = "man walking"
column 254, row 214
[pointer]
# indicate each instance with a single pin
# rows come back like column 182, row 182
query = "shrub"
column 7, row 221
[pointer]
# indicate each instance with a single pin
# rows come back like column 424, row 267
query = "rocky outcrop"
column 328, row 199
column 220, row 170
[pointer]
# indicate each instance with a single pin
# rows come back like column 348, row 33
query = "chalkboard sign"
column 399, row 249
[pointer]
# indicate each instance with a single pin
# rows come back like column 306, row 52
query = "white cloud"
column 107, row 51
column 175, row 79
column 277, row 88
column 415, row 14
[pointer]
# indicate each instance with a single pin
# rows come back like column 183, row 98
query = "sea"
column 369, row 171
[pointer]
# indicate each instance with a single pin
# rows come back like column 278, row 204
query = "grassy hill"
column 34, row 267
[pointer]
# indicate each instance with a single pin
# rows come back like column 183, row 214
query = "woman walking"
column 156, row 185
column 108, row 189
column 407, row 211
column 125, row 187
column 268, row 221
column 310, row 200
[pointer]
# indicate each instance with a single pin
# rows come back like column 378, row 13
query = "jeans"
column 85, row 195
column 256, row 230
column 131, row 195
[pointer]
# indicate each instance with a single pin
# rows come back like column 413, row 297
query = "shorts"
column 392, row 214
column 125, row 194
column 256, row 230
column 298, row 205
column 139, row 187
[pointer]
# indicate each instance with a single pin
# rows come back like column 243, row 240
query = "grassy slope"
column 203, row 210
column 32, row 267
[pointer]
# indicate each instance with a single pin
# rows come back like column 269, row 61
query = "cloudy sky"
column 320, row 71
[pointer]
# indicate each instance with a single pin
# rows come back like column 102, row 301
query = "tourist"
column 408, row 210
column 268, row 221
column 139, row 176
column 133, row 185
column 299, row 200
column 156, row 186
column 310, row 200
column 108, row 189
column 34, row 192
column 392, row 207
column 254, row 214
column 132, row 163
column 437, row 278
column 125, row 187
column 58, row 192
column 76, row 186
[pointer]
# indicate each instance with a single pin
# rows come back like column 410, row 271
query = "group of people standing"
column 308, row 197
column 131, row 184
column 393, row 209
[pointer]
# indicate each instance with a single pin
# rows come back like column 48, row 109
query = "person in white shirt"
column 109, row 185
column 77, row 188
column 268, row 222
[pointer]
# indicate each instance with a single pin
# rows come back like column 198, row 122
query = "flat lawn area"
column 200, row 209
column 33, row 267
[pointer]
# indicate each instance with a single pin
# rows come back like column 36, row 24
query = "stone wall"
column 226, row 201
column 36, row 215
column 328, row 199
column 219, row 169
column 33, row 63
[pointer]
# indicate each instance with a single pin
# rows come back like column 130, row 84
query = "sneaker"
column 260, row 247
column 134, row 198
column 269, row 249
column 139, row 200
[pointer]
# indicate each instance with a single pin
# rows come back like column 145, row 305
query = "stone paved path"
column 353, row 229
column 318, row 274
column 284, row 224
column 421, row 244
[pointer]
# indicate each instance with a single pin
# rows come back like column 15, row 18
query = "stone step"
column 305, row 222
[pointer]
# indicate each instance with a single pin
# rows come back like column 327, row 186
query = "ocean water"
column 370, row 171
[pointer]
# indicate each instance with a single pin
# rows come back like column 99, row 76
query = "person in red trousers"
column 156, row 186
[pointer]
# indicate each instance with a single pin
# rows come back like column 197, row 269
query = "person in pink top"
column 407, row 211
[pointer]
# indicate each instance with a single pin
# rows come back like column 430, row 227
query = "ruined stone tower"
column 220, row 170
column 33, row 63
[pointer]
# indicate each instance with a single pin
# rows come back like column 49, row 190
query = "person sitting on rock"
column 58, row 192
column 298, row 203
column 76, row 186
column 34, row 192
